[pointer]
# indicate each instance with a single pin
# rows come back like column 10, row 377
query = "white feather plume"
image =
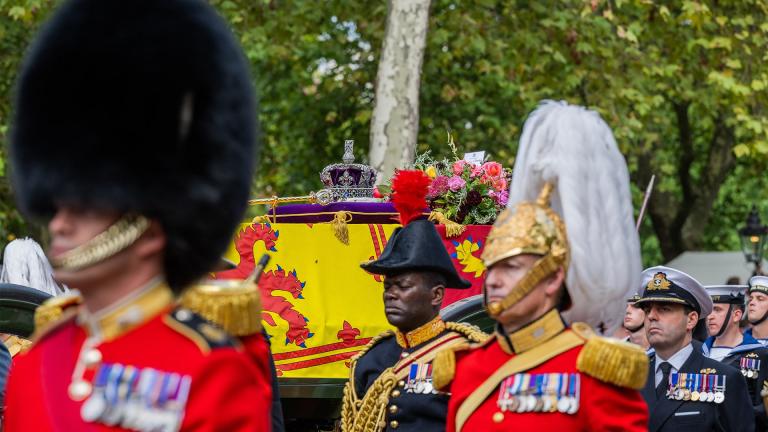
column 574, row 149
column 24, row 263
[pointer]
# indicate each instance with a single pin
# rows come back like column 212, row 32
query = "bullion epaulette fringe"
column 235, row 309
column 444, row 365
column 616, row 362
column 52, row 310
column 471, row 332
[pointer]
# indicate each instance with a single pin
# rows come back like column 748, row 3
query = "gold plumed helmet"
column 527, row 228
column 570, row 177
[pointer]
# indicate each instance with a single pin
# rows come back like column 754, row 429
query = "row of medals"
column 549, row 402
column 118, row 398
column 750, row 366
column 420, row 379
column 749, row 373
column 684, row 394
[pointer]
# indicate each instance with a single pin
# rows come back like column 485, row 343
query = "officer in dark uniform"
column 728, row 345
column 390, row 386
column 686, row 391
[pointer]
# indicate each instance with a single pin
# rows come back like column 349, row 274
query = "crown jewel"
column 347, row 179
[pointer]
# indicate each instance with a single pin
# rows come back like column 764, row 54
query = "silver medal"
column 574, row 406
column 93, row 408
column 719, row 397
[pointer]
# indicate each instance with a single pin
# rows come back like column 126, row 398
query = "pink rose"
column 500, row 184
column 493, row 169
column 458, row 167
column 477, row 171
column 455, row 183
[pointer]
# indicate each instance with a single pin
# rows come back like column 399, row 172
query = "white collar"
column 677, row 360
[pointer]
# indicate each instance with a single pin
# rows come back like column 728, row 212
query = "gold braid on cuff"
column 114, row 239
column 544, row 267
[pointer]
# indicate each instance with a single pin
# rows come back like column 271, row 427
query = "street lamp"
column 752, row 238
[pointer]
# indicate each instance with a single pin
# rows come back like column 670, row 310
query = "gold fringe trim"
column 339, row 223
column 261, row 219
column 52, row 309
column 444, row 366
column 235, row 308
column 471, row 332
column 452, row 229
column 616, row 362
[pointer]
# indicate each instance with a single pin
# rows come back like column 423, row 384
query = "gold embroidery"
column 659, row 282
column 420, row 335
column 543, row 329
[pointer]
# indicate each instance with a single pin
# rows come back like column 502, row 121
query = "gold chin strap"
column 544, row 267
column 114, row 239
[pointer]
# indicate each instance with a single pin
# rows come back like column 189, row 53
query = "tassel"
column 260, row 219
column 236, row 308
column 452, row 229
column 340, row 229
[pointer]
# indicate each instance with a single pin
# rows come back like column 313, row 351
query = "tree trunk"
column 679, row 220
column 395, row 119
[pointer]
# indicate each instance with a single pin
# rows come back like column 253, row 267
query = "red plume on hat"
column 409, row 194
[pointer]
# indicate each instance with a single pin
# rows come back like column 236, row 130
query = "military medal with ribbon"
column 137, row 399
column 750, row 366
column 549, row 392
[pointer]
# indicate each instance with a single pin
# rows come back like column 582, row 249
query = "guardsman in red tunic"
column 133, row 138
column 539, row 372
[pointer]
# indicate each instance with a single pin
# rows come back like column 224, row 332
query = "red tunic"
column 602, row 406
column 227, row 392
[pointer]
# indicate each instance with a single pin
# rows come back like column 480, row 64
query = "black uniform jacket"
column 735, row 414
column 755, row 382
column 407, row 410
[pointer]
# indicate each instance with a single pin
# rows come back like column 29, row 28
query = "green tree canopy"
column 683, row 86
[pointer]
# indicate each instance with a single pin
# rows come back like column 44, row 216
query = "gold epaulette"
column 471, row 332
column 616, row 362
column 444, row 365
column 53, row 309
column 17, row 345
column 232, row 305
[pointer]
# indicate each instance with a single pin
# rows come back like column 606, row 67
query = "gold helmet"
column 527, row 228
column 571, row 204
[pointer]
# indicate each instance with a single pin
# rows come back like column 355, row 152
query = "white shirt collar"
column 677, row 360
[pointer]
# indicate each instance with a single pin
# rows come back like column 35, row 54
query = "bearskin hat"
column 140, row 106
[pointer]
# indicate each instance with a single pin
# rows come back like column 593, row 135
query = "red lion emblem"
column 271, row 281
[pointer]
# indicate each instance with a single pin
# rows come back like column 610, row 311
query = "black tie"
column 664, row 383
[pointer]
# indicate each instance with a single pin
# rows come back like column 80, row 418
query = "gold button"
column 395, row 393
column 393, row 409
column 401, row 383
column 498, row 417
column 394, row 424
